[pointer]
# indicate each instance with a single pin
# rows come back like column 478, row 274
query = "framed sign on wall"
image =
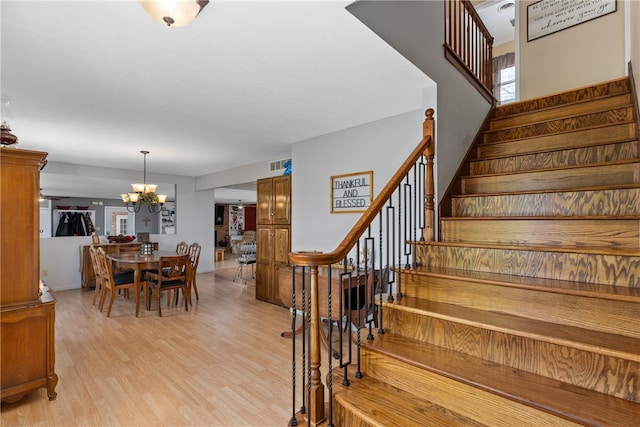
column 351, row 192
column 550, row 16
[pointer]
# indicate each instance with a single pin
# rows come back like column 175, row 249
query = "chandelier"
column 144, row 194
column 6, row 137
column 174, row 13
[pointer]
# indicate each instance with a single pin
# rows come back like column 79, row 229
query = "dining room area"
column 142, row 269
column 221, row 363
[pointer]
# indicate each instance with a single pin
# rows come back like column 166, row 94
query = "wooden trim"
column 634, row 99
column 444, row 207
column 459, row 64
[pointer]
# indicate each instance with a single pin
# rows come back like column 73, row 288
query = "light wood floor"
column 221, row 364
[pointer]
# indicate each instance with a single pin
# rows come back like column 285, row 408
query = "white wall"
column 588, row 53
column 380, row 146
column 60, row 256
column 239, row 175
column 416, row 30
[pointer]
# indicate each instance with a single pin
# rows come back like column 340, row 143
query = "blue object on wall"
column 287, row 167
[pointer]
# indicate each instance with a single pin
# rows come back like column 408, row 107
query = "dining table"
column 139, row 263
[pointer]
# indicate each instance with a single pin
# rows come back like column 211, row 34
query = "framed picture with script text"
column 550, row 16
column 351, row 192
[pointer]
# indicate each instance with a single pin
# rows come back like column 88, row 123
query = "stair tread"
column 564, row 110
column 590, row 137
column 551, row 190
column 571, row 336
column 560, row 117
column 560, row 168
column 385, row 405
column 524, row 247
column 609, row 88
column 565, row 400
column 542, row 218
column 618, row 293
column 553, row 149
column 525, row 138
column 593, row 120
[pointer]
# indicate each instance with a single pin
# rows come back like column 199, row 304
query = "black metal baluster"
column 293, row 421
column 330, row 349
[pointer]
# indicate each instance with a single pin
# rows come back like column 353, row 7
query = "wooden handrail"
column 425, row 147
column 425, row 150
column 469, row 45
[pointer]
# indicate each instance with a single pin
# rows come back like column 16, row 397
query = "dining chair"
column 98, row 273
column 193, row 251
column 246, row 256
column 182, row 248
column 112, row 281
column 176, row 270
column 194, row 257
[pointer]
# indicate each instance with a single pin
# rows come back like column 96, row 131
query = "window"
column 504, row 78
column 507, row 85
column 121, row 224
column 118, row 221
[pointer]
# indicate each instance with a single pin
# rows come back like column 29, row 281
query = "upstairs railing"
column 344, row 289
column 468, row 45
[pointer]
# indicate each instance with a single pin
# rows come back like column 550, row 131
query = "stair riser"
column 600, row 104
column 616, row 317
column 563, row 141
column 596, row 176
column 605, row 374
column 588, row 268
column 359, row 405
column 586, row 121
column 618, row 202
column 555, row 159
column 604, row 233
column 613, row 87
column 466, row 400
column 348, row 417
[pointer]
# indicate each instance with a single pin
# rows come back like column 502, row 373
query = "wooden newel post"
column 316, row 404
column 428, row 130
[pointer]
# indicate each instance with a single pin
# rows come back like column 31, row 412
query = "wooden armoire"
column 273, row 235
column 27, row 307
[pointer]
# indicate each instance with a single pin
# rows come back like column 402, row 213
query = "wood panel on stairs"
column 525, row 312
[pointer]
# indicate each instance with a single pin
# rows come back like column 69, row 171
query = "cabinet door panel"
column 263, row 204
column 264, row 244
column 282, row 200
column 263, row 282
column 282, row 244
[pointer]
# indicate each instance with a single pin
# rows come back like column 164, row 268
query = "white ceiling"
column 95, row 82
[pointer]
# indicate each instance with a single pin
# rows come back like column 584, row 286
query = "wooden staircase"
column 526, row 311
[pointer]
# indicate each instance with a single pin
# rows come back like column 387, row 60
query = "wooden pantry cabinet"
column 273, row 235
column 27, row 306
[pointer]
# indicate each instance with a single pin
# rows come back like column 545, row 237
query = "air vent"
column 278, row 165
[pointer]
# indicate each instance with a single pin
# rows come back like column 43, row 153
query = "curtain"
column 499, row 63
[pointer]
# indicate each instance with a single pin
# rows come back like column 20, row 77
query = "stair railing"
column 366, row 265
column 468, row 45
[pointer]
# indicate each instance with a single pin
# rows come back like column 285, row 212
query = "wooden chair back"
column 182, row 248
column 194, row 256
column 176, row 273
column 112, row 282
column 97, row 272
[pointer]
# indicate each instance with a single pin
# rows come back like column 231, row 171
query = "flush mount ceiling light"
column 174, row 13
column 505, row 7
